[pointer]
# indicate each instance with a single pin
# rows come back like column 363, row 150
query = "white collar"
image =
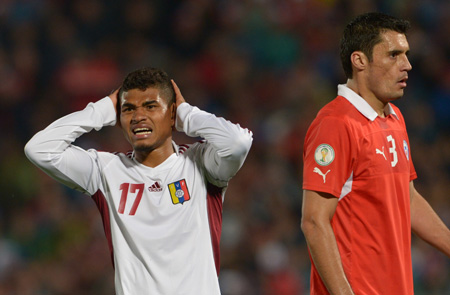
column 361, row 104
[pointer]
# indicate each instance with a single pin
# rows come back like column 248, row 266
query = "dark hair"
column 363, row 33
column 149, row 77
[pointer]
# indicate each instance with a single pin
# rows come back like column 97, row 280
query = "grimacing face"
column 388, row 71
column 146, row 119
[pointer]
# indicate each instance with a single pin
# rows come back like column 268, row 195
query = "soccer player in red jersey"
column 161, row 205
column 359, row 200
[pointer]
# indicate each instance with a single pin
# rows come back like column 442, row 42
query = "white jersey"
column 162, row 224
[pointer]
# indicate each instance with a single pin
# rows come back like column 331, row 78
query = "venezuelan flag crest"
column 179, row 192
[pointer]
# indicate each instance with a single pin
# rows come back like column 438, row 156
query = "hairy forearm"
column 325, row 254
column 426, row 224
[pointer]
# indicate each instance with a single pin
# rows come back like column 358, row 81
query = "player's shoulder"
column 335, row 113
column 339, row 107
column 113, row 154
column 182, row 148
column 191, row 148
column 337, row 119
column 339, row 113
column 107, row 157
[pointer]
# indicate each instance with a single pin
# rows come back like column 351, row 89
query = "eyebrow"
column 397, row 52
column 145, row 103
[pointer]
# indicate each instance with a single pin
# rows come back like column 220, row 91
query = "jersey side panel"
column 102, row 206
column 215, row 207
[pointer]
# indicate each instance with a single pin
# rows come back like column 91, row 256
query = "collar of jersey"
column 361, row 104
column 167, row 162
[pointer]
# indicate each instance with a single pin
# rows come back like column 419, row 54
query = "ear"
column 359, row 60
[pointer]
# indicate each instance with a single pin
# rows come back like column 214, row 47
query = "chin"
column 398, row 96
column 142, row 148
column 395, row 96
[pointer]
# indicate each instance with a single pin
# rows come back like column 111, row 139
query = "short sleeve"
column 328, row 156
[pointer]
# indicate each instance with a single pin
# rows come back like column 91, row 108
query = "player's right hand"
column 114, row 96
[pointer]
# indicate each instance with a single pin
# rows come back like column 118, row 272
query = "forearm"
column 426, row 224
column 59, row 135
column 325, row 255
column 51, row 149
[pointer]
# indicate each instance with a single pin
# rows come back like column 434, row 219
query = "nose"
column 407, row 64
column 138, row 114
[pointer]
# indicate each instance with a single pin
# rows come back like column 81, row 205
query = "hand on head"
column 179, row 99
column 114, row 96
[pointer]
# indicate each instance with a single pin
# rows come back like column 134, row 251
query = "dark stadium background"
column 269, row 65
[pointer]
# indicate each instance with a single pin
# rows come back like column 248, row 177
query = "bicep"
column 317, row 208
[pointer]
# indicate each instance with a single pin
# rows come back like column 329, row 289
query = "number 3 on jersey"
column 392, row 150
column 133, row 188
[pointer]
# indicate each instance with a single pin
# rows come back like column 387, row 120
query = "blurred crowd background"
column 269, row 65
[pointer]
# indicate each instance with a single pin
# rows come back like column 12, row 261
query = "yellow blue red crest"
column 179, row 192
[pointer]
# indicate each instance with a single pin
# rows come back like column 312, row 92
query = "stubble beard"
column 144, row 149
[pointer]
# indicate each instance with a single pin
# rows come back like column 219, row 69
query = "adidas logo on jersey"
column 156, row 187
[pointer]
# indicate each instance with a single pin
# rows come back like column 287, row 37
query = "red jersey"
column 364, row 160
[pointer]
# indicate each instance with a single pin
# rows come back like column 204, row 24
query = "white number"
column 392, row 150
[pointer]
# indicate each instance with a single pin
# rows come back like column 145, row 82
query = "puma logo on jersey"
column 156, row 187
column 317, row 170
column 381, row 153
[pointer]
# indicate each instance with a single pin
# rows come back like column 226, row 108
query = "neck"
column 368, row 96
column 154, row 157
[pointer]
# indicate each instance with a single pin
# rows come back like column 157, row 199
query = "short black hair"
column 363, row 33
column 147, row 77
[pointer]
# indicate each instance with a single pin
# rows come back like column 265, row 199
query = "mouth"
column 142, row 131
column 402, row 82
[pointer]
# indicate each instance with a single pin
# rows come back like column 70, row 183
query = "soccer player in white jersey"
column 161, row 205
